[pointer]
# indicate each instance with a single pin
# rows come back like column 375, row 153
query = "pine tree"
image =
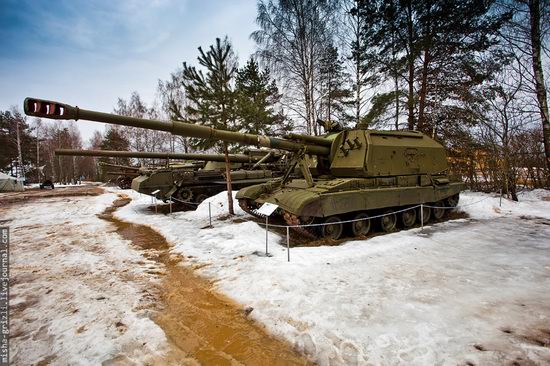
column 212, row 96
column 442, row 50
column 335, row 96
column 12, row 149
column 358, row 31
column 114, row 140
column 257, row 95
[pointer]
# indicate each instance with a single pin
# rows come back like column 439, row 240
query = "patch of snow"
column 79, row 293
column 408, row 298
column 533, row 203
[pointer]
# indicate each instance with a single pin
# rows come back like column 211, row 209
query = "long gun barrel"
column 116, row 166
column 55, row 110
column 234, row 158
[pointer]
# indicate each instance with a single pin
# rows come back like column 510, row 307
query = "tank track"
column 246, row 207
column 308, row 232
column 311, row 232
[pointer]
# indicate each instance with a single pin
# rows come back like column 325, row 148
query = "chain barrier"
column 347, row 221
column 267, row 224
column 185, row 202
column 466, row 205
column 287, row 227
column 376, row 216
column 197, row 205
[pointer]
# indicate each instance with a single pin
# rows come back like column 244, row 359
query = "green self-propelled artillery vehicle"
column 189, row 182
column 121, row 175
column 187, row 185
column 345, row 175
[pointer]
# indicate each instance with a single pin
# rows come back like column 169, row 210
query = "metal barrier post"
column 266, row 233
column 500, row 203
column 421, row 217
column 156, row 203
column 288, row 243
column 209, row 215
column 170, row 203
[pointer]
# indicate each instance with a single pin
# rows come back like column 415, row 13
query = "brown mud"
column 201, row 323
column 34, row 194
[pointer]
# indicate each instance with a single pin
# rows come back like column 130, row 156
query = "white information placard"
column 267, row 209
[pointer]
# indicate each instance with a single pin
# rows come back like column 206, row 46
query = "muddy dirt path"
column 9, row 198
column 205, row 325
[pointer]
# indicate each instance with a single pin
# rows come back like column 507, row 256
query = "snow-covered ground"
column 80, row 295
column 468, row 291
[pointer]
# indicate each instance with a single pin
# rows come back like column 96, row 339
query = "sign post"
column 154, row 193
column 266, row 210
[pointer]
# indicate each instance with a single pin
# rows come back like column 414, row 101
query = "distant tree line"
column 27, row 149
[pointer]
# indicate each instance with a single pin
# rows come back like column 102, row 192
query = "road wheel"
column 438, row 212
column 452, row 201
column 201, row 197
column 427, row 214
column 334, row 230
column 408, row 218
column 360, row 228
column 184, row 195
column 388, row 222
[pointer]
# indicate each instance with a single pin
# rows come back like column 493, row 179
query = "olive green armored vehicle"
column 195, row 185
column 359, row 173
column 121, row 175
column 189, row 182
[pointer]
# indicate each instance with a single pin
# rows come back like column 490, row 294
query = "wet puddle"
column 205, row 325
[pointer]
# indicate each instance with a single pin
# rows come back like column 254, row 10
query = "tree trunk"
column 425, row 63
column 307, row 96
column 534, row 14
column 329, row 98
column 21, row 173
column 38, row 153
column 357, row 90
column 228, row 180
column 410, row 61
column 396, row 81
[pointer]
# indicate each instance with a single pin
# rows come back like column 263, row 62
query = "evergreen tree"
column 212, row 96
column 442, row 51
column 257, row 94
column 114, row 140
column 13, row 123
column 335, row 96
column 357, row 32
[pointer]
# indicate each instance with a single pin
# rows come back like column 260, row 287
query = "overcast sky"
column 89, row 53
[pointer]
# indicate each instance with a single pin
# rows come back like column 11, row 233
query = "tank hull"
column 346, row 198
column 194, row 186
